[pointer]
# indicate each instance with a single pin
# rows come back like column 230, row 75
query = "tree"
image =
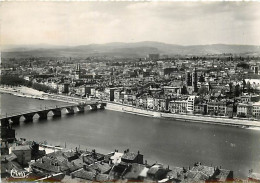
column 249, row 87
column 243, row 65
column 184, row 90
column 203, row 91
column 244, row 86
column 210, row 87
column 237, row 90
column 231, row 90
column 201, row 79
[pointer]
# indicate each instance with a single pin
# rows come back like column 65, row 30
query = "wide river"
column 170, row 142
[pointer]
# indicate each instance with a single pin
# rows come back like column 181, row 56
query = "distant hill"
column 118, row 49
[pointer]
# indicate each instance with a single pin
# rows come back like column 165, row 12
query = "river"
column 171, row 142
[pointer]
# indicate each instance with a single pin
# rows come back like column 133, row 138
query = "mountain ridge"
column 122, row 49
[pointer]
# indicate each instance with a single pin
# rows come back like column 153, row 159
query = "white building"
column 255, row 83
column 244, row 109
column 190, row 103
column 256, row 110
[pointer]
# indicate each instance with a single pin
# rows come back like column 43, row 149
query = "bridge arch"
column 29, row 116
column 56, row 111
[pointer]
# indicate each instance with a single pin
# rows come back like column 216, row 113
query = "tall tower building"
column 195, row 83
column 189, row 79
column 78, row 75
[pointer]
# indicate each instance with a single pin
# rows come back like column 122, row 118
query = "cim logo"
column 19, row 174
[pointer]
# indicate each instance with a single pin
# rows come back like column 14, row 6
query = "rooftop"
column 129, row 156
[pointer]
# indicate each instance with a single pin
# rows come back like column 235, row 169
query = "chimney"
column 184, row 170
column 72, row 176
column 85, row 167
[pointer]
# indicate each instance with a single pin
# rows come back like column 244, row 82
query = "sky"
column 82, row 23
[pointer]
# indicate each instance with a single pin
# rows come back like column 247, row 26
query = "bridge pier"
column 56, row 112
column 16, row 120
column 70, row 110
column 103, row 105
column 43, row 114
column 81, row 109
column 28, row 117
column 93, row 107
column 5, row 122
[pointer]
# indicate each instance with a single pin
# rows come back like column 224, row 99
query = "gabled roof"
column 129, row 156
column 51, row 165
column 103, row 168
column 83, row 174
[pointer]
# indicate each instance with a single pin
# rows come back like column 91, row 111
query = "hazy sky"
column 78, row 23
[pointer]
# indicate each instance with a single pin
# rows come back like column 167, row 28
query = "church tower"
column 78, row 73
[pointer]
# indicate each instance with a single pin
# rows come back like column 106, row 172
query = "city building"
column 245, row 110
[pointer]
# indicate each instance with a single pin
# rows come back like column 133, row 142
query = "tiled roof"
column 88, row 159
column 223, row 175
column 154, row 169
column 102, row 177
column 83, row 174
column 129, row 156
column 48, row 164
column 78, row 162
column 175, row 171
column 21, row 148
column 69, row 154
column 135, row 171
column 207, row 170
column 196, row 176
column 104, row 167
column 9, row 157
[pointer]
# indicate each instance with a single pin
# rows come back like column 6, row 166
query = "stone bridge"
column 56, row 111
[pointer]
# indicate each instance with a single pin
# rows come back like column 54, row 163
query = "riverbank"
column 23, row 91
column 184, row 117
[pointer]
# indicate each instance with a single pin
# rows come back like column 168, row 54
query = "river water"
column 171, row 142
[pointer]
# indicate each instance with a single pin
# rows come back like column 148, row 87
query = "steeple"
column 78, row 70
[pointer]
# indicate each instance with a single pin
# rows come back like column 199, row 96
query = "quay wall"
column 183, row 117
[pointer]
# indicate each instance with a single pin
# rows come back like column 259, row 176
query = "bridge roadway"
column 56, row 111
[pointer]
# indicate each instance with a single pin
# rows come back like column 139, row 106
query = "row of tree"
column 15, row 80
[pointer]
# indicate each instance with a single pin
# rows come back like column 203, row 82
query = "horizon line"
column 46, row 44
